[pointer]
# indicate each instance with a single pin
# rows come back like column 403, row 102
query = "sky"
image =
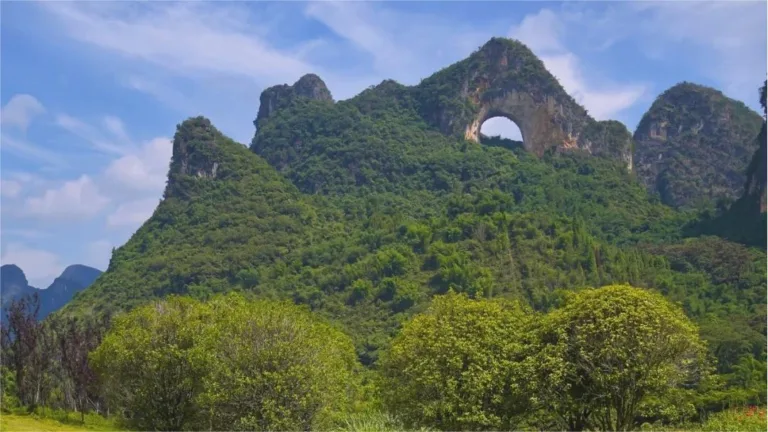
column 91, row 92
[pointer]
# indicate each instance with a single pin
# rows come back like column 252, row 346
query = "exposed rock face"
column 694, row 144
column 755, row 189
column 505, row 79
column 308, row 86
column 195, row 153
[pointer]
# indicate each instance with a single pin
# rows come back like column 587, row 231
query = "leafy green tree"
column 459, row 365
column 151, row 366
column 275, row 367
column 608, row 349
column 180, row 364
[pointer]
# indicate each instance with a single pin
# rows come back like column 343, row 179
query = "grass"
column 47, row 420
column 24, row 423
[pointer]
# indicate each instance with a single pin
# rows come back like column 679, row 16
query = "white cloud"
column 9, row 188
column 542, row 32
column 26, row 150
column 405, row 46
column 73, row 200
column 723, row 41
column 90, row 134
column 732, row 35
column 180, row 37
column 39, row 266
column 132, row 213
column 144, row 170
column 115, row 126
column 20, row 110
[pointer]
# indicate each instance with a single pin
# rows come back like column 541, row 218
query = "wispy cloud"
column 725, row 39
column 29, row 151
column 90, row 135
column 543, row 33
column 184, row 38
column 20, row 110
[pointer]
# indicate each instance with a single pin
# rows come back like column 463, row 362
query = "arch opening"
column 501, row 131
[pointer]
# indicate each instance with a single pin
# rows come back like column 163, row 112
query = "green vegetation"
column 357, row 269
column 184, row 365
column 372, row 212
column 459, row 365
column 694, row 145
column 27, row 423
column 606, row 351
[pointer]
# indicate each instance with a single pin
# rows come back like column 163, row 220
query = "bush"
column 451, row 367
column 227, row 364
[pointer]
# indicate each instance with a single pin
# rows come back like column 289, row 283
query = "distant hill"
column 694, row 145
column 75, row 278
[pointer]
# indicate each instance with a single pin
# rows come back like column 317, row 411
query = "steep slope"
column 74, row 279
column 377, row 143
column 225, row 217
column 368, row 258
column 694, row 145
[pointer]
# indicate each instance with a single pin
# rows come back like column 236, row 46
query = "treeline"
column 612, row 358
column 45, row 363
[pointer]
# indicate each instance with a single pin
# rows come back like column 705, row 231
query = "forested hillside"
column 364, row 210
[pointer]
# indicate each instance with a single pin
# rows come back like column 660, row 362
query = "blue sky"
column 91, row 92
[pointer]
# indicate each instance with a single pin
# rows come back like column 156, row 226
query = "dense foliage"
column 606, row 351
column 362, row 212
column 460, row 365
column 229, row 364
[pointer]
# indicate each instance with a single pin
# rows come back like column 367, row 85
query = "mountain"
column 13, row 284
column 694, row 145
column 501, row 79
column 363, row 209
column 745, row 220
column 74, row 279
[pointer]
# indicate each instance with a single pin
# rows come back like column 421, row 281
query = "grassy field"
column 28, row 423
column 13, row 423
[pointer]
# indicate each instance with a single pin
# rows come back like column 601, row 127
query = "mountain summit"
column 75, row 278
column 694, row 144
column 505, row 79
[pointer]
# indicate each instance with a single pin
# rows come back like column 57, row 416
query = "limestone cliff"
column 308, row 86
column 195, row 155
column 505, row 79
column 755, row 189
column 694, row 145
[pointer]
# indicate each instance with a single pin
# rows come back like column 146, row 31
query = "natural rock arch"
column 505, row 79
column 502, row 79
